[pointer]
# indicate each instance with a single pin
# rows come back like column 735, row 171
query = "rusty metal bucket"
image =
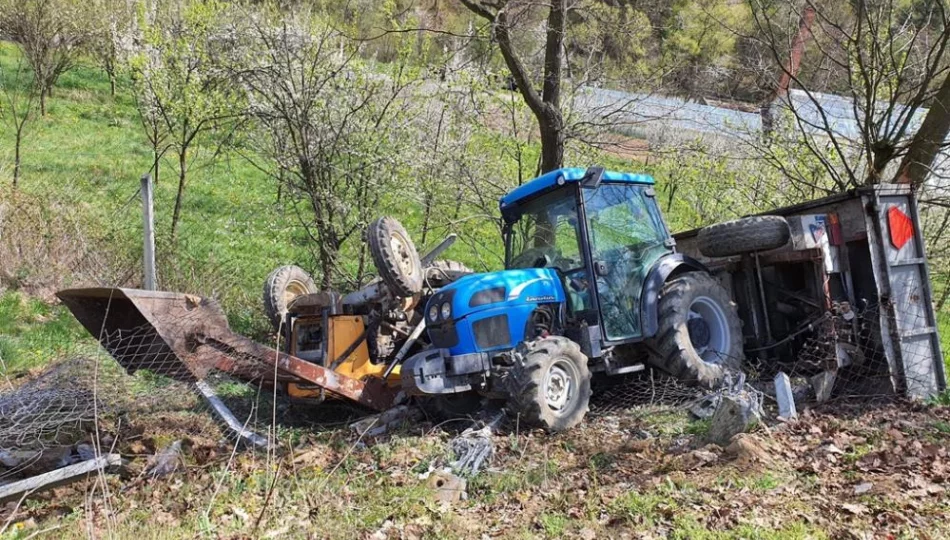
column 184, row 336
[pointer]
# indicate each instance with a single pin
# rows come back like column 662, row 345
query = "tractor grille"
column 492, row 332
column 443, row 335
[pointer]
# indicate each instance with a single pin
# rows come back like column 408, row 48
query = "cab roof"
column 570, row 174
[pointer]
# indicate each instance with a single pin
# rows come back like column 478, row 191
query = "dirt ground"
column 860, row 470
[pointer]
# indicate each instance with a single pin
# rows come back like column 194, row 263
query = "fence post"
column 149, row 233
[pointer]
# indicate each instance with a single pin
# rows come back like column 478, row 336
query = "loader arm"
column 185, row 336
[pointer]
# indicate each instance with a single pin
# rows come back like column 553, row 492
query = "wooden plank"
column 16, row 490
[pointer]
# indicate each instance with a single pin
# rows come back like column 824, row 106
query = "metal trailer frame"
column 907, row 321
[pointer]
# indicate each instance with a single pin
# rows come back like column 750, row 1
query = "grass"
column 34, row 332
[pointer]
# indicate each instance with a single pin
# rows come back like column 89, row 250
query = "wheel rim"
column 403, row 254
column 559, row 387
column 293, row 290
column 709, row 330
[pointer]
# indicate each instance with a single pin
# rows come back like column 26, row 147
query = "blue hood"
column 505, row 288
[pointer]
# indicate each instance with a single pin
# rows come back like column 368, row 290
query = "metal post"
column 149, row 233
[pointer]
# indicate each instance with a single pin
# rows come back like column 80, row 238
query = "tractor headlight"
column 446, row 310
column 433, row 312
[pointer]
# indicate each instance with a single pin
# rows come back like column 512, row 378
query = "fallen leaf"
column 856, row 509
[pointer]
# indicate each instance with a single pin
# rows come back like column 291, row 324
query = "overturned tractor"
column 592, row 285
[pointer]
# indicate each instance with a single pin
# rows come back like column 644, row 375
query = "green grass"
column 943, row 330
column 33, row 332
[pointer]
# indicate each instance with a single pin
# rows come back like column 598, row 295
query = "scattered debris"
column 706, row 407
column 59, row 477
column 165, row 462
column 785, row 397
column 225, row 414
column 448, row 487
column 380, row 424
column 695, row 459
column 823, row 383
column 474, row 448
column 735, row 414
column 863, row 488
column 747, row 450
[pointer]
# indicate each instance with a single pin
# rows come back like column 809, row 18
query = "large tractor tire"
column 282, row 286
column 395, row 256
column 550, row 384
column 746, row 235
column 699, row 338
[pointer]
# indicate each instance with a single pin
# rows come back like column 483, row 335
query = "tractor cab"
column 600, row 231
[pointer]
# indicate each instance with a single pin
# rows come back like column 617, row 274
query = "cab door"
column 626, row 236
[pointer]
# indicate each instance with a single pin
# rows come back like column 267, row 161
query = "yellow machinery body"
column 342, row 331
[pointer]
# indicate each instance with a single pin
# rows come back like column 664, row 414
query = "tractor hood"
column 506, row 288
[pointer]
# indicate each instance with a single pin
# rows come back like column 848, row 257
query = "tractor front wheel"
column 282, row 287
column 550, row 384
column 395, row 256
column 699, row 337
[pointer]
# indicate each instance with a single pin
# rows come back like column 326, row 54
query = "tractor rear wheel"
column 699, row 338
column 282, row 286
column 395, row 256
column 550, row 384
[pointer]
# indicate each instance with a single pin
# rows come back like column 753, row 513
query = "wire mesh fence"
column 145, row 379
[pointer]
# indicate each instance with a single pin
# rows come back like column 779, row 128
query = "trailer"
column 846, row 302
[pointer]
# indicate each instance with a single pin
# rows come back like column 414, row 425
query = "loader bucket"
column 184, row 336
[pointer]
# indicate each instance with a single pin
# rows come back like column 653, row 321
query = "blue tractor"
column 593, row 285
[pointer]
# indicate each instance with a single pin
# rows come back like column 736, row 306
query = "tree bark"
column 16, row 157
column 788, row 71
column 182, row 174
column 926, row 144
column 156, row 158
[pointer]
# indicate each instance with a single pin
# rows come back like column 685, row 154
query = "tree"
column 929, row 140
column 49, row 33
column 333, row 130
column 19, row 96
column 178, row 83
column 546, row 105
column 887, row 57
column 111, row 25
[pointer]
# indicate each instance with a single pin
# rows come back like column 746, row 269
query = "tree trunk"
column 16, row 157
column 552, row 139
column 927, row 141
column 554, row 53
column 943, row 295
column 182, row 173
column 156, row 158
column 112, row 84
column 788, row 71
column 42, row 103
column 549, row 119
column 329, row 249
